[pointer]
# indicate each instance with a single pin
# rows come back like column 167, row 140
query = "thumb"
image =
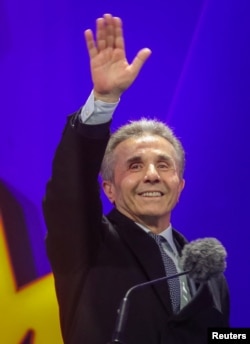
column 140, row 59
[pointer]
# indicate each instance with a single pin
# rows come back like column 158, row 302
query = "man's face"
column 146, row 184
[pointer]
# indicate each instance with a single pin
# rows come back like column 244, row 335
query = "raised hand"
column 110, row 70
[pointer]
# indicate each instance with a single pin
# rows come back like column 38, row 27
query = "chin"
column 153, row 213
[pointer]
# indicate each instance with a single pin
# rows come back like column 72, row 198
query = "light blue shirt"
column 184, row 287
column 166, row 234
column 96, row 111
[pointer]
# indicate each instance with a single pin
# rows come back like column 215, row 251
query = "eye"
column 165, row 165
column 135, row 166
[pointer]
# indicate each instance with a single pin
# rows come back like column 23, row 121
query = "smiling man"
column 147, row 178
column 96, row 258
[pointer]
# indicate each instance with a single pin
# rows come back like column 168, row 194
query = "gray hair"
column 136, row 129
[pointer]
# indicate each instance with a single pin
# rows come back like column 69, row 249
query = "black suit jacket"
column 96, row 259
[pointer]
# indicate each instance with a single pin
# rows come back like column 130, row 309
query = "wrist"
column 107, row 98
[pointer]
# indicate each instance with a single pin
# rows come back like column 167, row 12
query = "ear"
column 181, row 187
column 182, row 184
column 109, row 190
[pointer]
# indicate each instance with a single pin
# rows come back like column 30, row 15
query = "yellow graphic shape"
column 33, row 307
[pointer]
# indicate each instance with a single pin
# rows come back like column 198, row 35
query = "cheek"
column 129, row 182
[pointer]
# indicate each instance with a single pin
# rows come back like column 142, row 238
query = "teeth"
column 151, row 194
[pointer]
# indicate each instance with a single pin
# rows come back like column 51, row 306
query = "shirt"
column 96, row 111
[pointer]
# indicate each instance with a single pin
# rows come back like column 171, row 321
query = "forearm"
column 72, row 205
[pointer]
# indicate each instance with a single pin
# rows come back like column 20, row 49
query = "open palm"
column 110, row 70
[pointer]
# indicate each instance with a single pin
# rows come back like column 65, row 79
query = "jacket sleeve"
column 72, row 206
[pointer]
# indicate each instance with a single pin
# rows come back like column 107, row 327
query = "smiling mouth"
column 151, row 194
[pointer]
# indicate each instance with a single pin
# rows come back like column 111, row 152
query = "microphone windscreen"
column 204, row 258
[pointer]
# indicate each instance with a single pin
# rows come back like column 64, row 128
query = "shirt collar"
column 166, row 234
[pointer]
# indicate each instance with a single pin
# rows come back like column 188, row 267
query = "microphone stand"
column 123, row 310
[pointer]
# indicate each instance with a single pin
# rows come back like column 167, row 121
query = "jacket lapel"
column 146, row 253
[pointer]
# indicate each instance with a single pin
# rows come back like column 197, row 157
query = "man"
column 96, row 259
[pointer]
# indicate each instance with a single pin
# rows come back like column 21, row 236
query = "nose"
column 151, row 175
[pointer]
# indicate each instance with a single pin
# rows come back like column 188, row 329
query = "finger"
column 119, row 38
column 140, row 59
column 90, row 42
column 100, row 34
column 110, row 30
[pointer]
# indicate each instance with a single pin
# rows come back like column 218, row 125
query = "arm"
column 72, row 205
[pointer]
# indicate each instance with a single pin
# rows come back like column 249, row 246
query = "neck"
column 154, row 225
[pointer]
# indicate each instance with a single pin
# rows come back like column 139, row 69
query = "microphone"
column 201, row 259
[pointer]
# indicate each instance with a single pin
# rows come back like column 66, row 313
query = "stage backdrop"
column 197, row 80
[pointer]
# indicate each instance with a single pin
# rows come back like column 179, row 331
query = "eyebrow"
column 161, row 157
column 136, row 158
column 165, row 157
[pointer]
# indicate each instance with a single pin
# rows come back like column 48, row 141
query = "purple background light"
column 197, row 80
